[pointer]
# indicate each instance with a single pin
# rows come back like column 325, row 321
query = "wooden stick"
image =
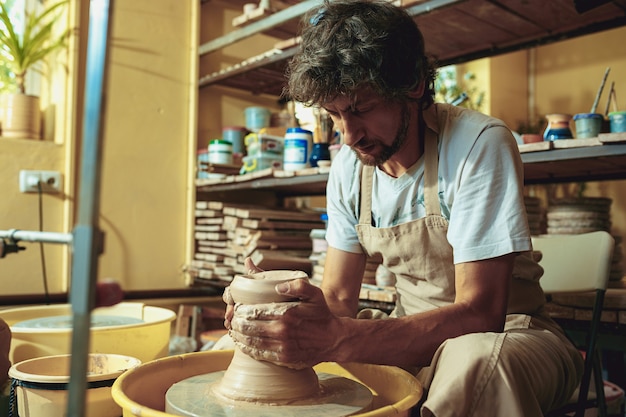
column 608, row 102
column 595, row 103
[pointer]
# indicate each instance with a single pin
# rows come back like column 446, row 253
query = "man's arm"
column 343, row 274
column 310, row 333
column 482, row 289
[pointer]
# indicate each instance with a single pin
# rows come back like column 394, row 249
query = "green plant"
column 536, row 127
column 21, row 49
column 465, row 94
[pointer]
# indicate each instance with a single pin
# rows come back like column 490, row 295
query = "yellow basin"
column 141, row 391
column 146, row 341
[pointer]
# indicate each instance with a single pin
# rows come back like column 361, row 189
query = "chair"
column 573, row 264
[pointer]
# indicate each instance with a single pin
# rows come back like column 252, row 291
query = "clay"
column 251, row 387
column 247, row 379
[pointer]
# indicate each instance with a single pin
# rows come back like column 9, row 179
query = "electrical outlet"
column 50, row 181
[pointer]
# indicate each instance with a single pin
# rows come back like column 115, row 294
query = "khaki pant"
column 524, row 372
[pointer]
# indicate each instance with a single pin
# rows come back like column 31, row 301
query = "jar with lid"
column 220, row 152
column 297, row 148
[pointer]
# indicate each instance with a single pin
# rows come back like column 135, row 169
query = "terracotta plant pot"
column 531, row 138
column 20, row 116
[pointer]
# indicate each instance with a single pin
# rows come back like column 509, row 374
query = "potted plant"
column 20, row 50
column 530, row 132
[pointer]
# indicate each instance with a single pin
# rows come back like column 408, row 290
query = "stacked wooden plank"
column 227, row 233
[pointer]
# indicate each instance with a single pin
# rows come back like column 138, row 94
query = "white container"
column 297, row 148
column 220, row 152
column 42, row 385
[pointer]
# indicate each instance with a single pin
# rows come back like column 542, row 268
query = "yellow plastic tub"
column 42, row 385
column 145, row 341
column 141, row 391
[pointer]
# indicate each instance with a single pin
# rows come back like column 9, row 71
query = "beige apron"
column 476, row 373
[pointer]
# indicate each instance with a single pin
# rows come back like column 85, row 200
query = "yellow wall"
column 220, row 106
column 151, row 134
column 148, row 159
column 22, row 273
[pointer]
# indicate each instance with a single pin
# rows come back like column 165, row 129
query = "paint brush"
column 595, row 103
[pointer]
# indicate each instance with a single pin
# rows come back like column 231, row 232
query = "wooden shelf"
column 290, row 186
column 592, row 163
column 455, row 31
column 554, row 165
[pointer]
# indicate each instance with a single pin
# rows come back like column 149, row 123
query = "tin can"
column 220, row 152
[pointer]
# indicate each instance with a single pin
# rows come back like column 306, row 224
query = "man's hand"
column 295, row 334
column 228, row 299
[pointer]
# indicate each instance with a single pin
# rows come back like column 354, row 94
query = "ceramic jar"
column 558, row 127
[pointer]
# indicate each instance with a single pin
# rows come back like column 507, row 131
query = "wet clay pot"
column 248, row 379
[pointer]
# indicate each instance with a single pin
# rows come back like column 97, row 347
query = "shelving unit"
column 456, row 31
column 586, row 163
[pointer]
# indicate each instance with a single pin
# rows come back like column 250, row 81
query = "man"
column 438, row 191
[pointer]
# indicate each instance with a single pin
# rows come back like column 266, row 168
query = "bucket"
column 235, row 135
column 588, row 125
column 145, row 335
column 141, row 391
column 257, row 118
column 40, row 386
column 618, row 121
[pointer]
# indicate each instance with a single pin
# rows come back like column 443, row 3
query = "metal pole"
column 32, row 236
column 88, row 239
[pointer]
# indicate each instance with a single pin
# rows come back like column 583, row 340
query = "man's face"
column 374, row 128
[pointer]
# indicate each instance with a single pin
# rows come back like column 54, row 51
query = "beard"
column 386, row 151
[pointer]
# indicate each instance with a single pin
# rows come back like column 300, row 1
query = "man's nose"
column 352, row 130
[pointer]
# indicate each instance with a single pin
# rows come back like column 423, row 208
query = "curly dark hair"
column 348, row 45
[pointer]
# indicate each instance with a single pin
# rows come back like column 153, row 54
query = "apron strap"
column 431, row 174
column 367, row 175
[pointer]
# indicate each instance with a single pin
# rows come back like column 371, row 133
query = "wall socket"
column 50, row 181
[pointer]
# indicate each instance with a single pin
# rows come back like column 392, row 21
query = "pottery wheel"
column 339, row 396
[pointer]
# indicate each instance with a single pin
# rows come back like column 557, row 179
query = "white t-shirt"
column 480, row 189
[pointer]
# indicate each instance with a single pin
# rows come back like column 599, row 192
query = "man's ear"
column 418, row 91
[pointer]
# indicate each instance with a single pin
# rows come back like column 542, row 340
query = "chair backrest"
column 574, row 263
